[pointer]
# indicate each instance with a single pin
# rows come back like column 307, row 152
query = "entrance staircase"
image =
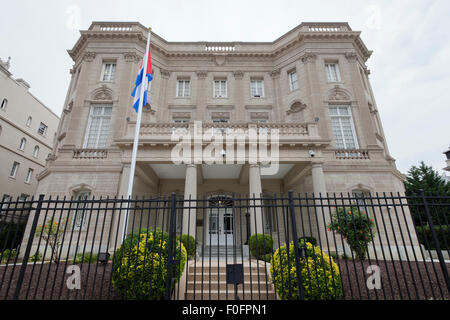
column 221, row 251
column 206, row 280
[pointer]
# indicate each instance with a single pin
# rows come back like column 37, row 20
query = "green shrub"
column 11, row 234
column 311, row 240
column 8, row 255
column 426, row 238
column 189, row 244
column 260, row 245
column 36, row 257
column 87, row 258
column 320, row 274
column 355, row 226
column 140, row 265
column 267, row 257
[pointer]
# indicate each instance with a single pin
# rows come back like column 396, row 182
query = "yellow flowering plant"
column 140, row 265
column 321, row 279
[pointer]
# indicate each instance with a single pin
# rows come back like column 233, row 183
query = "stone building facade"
column 27, row 132
column 311, row 84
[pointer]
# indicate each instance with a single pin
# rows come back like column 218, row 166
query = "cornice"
column 163, row 47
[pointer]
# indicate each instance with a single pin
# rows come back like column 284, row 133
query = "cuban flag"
column 142, row 85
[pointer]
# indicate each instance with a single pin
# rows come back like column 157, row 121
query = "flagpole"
column 136, row 133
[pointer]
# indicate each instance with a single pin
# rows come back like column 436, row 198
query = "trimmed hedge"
column 443, row 235
column 189, row 244
column 140, row 265
column 260, row 245
column 311, row 240
column 320, row 274
column 11, row 235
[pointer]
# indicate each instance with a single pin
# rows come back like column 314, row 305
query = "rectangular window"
column 270, row 218
column 293, row 80
column 343, row 129
column 181, row 120
column 217, row 120
column 29, row 175
column 220, row 88
column 6, row 198
column 183, row 88
column 257, row 88
column 98, row 126
column 332, row 72
column 14, row 169
column 108, row 71
column 42, row 129
column 80, row 211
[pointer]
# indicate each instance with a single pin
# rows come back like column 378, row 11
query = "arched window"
column 79, row 215
column 22, row 144
column 4, row 103
column 36, row 151
column 362, row 199
column 29, row 121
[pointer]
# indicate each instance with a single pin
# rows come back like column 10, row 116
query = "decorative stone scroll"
column 296, row 107
column 103, row 94
column 238, row 74
column 89, row 56
column 351, row 56
column 202, row 74
column 338, row 94
column 309, row 57
column 131, row 57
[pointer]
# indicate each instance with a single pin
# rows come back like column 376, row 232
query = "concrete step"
column 214, row 269
column 222, row 276
column 253, row 286
column 222, row 295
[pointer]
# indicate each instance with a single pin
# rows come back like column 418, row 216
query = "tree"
column 51, row 233
column 425, row 178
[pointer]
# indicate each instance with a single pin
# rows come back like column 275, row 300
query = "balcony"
column 352, row 154
column 289, row 133
column 90, row 154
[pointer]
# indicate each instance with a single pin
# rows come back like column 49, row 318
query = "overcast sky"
column 409, row 66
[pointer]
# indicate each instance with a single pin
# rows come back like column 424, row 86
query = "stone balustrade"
column 164, row 131
column 90, row 153
column 352, row 154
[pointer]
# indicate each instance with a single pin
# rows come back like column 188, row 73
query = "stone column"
column 256, row 222
column 323, row 214
column 190, row 192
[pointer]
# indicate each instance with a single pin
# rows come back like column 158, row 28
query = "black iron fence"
column 294, row 246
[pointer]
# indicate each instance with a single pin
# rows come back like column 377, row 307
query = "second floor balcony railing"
column 164, row 132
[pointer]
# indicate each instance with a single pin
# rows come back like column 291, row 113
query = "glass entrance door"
column 220, row 228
